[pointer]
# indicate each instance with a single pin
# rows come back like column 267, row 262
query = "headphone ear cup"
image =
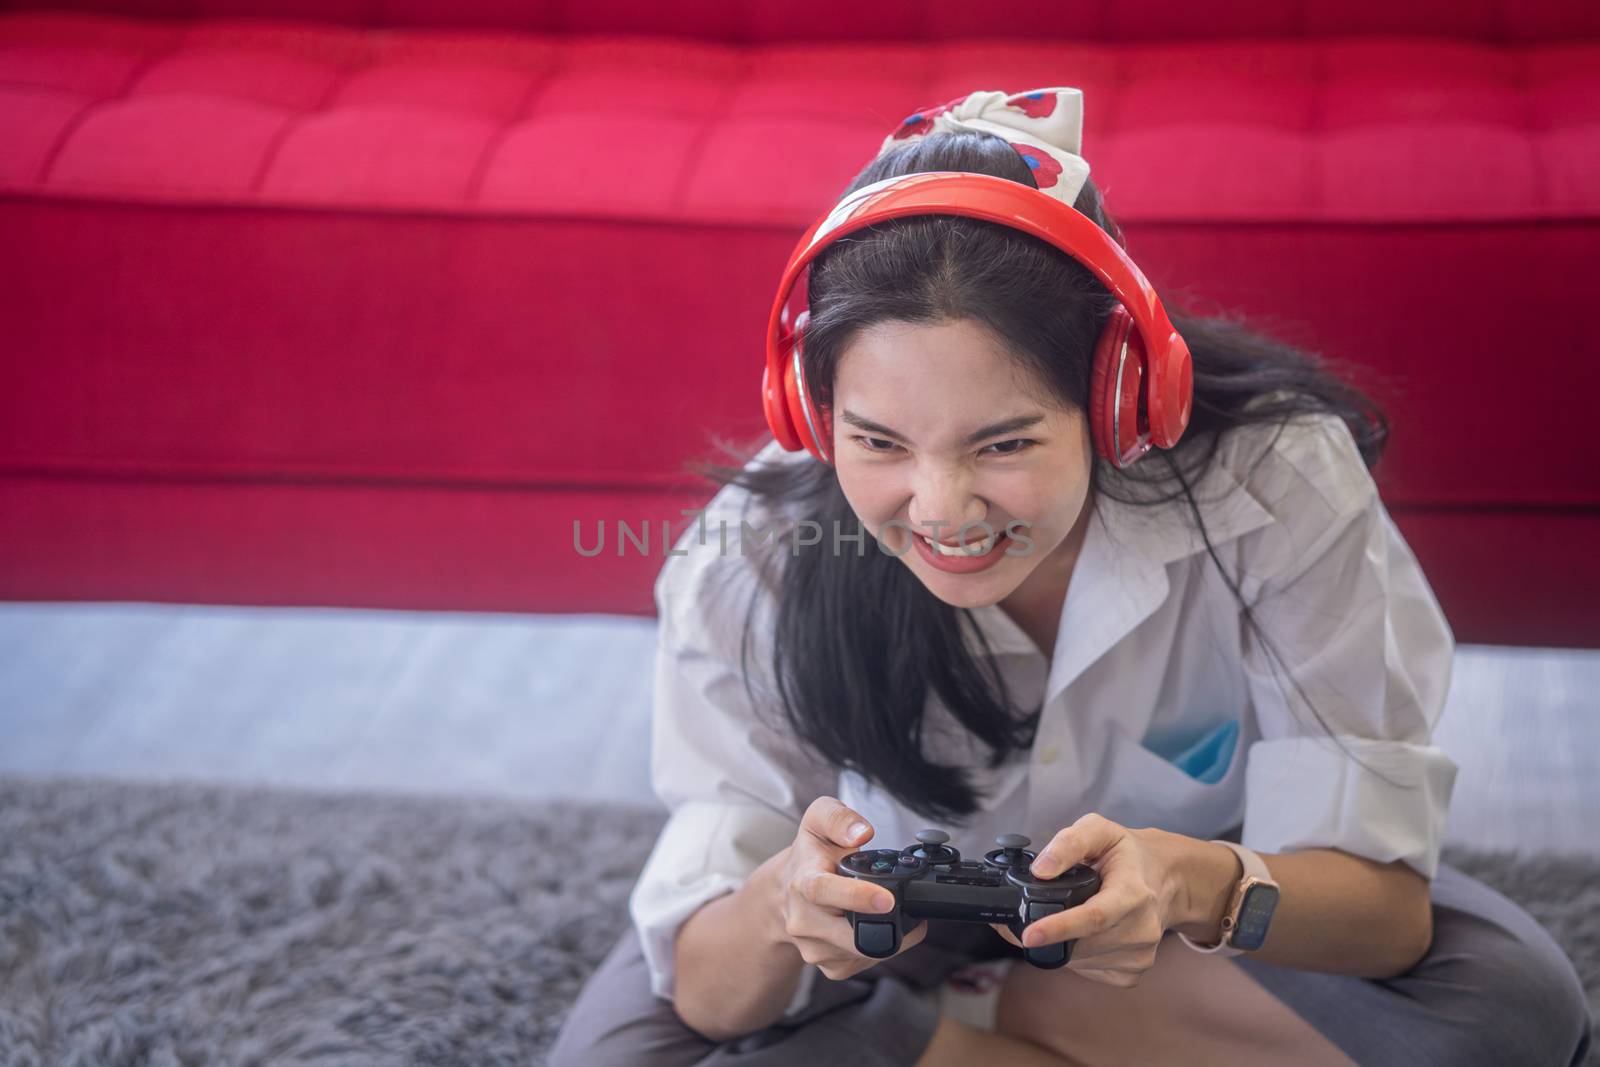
column 1176, row 402
column 777, row 412
column 774, row 394
column 797, row 398
column 1116, row 385
column 791, row 399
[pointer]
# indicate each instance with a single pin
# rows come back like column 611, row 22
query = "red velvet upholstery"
column 363, row 304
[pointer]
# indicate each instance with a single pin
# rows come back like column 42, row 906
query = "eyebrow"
column 1011, row 425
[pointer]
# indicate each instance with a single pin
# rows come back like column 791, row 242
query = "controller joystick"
column 929, row 880
column 1013, row 851
column 933, row 848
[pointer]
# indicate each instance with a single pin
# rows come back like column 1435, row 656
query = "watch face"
column 1254, row 916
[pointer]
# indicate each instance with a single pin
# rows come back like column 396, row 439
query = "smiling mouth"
column 971, row 548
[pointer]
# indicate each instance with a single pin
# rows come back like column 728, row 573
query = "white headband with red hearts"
column 1045, row 126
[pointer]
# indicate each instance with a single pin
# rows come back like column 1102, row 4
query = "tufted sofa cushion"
column 527, row 258
column 1351, row 130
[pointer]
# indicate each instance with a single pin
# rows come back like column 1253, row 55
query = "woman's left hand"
column 1119, row 928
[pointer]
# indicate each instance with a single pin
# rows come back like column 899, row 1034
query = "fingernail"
column 858, row 829
column 1031, row 938
column 883, row 902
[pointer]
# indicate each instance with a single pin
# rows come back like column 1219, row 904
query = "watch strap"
column 1255, row 869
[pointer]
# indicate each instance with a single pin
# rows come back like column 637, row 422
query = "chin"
column 978, row 591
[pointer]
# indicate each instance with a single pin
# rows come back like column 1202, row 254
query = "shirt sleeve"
column 734, row 783
column 1362, row 637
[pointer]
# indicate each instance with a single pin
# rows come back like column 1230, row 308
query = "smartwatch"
column 1249, row 910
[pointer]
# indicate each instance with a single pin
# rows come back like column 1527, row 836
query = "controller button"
column 875, row 939
column 1039, row 909
column 882, row 866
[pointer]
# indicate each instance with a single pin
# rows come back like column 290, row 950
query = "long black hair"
column 885, row 638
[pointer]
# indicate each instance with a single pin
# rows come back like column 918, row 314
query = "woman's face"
column 917, row 448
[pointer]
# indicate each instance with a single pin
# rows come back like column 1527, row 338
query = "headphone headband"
column 984, row 196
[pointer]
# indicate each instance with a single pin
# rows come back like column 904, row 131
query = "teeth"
column 978, row 549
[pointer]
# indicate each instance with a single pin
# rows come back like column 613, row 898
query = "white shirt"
column 1159, row 708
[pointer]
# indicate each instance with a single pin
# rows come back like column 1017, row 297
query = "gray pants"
column 1494, row 989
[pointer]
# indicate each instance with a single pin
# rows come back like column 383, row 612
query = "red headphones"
column 1142, row 386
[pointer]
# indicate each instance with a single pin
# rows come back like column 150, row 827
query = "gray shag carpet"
column 170, row 924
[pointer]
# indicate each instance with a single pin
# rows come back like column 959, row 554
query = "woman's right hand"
column 815, row 896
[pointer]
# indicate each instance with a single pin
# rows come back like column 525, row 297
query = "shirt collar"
column 1120, row 577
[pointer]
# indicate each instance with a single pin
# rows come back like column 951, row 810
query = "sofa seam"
column 75, row 123
column 709, row 122
column 296, row 120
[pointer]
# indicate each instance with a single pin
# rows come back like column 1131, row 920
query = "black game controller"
column 931, row 881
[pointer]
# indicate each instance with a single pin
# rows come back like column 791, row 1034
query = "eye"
column 1023, row 443
column 879, row 440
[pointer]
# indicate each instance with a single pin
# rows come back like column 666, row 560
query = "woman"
column 984, row 610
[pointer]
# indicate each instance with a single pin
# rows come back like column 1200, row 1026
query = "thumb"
column 850, row 829
column 830, row 820
column 1085, row 840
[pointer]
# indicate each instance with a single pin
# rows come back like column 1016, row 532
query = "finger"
column 1090, row 837
column 1094, row 916
column 818, row 924
column 824, row 924
column 830, row 821
column 835, row 960
column 1005, row 932
column 913, row 938
column 1119, row 979
column 830, row 942
column 835, row 891
column 1094, row 974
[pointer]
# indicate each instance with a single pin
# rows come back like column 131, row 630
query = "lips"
column 958, row 560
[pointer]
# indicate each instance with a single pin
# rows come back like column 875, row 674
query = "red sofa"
column 363, row 303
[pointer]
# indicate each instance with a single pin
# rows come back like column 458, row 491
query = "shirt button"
column 1048, row 754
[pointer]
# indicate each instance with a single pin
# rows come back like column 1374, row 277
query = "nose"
column 945, row 497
